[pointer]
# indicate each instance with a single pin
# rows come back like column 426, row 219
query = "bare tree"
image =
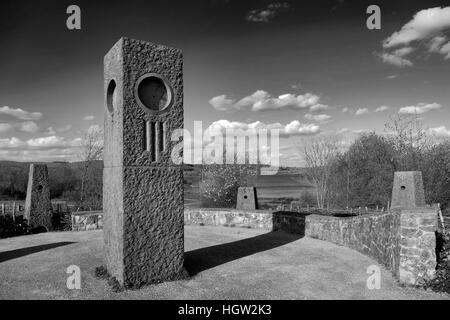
column 409, row 138
column 319, row 153
column 91, row 151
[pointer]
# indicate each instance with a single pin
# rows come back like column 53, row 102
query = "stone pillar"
column 407, row 191
column 142, row 187
column 417, row 245
column 246, row 198
column 38, row 206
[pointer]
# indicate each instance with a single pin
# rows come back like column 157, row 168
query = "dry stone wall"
column 375, row 235
column 417, row 245
column 256, row 219
column 403, row 241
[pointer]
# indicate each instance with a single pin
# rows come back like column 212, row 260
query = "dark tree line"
column 67, row 182
column 363, row 174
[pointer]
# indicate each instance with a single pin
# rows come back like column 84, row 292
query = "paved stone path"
column 227, row 263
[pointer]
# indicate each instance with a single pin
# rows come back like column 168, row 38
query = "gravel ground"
column 226, row 263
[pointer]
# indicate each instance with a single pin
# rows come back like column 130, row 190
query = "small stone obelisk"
column 38, row 206
column 407, row 191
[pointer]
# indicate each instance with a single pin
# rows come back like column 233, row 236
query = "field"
column 272, row 190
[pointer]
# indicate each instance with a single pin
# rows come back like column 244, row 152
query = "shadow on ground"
column 13, row 254
column 203, row 259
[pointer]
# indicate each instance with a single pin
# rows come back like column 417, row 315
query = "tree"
column 91, row 152
column 409, row 139
column 371, row 162
column 436, row 174
column 319, row 153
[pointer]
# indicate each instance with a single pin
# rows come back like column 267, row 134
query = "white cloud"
column 403, row 51
column 345, row 110
column 95, row 128
column 64, row 128
column 436, row 43
column 427, row 26
column 37, row 155
column 317, row 117
column 20, row 114
column 268, row 13
column 395, row 60
column 46, row 148
column 5, row 127
column 360, row 131
column 420, row 108
column 89, row 118
column 445, row 50
column 28, row 126
column 52, row 142
column 424, row 24
column 291, row 129
column 53, row 131
column 361, row 111
column 440, row 131
column 41, row 143
column 343, row 130
column 441, row 45
column 318, row 107
column 382, row 108
column 261, row 100
column 50, row 131
column 221, row 103
column 392, row 76
column 9, row 143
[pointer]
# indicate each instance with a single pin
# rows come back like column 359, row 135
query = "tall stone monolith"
column 142, row 186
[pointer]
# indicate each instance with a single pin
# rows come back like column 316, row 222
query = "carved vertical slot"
column 155, row 139
column 146, row 142
column 150, row 139
column 157, row 136
column 162, row 139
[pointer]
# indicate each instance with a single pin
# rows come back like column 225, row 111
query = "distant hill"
column 65, row 179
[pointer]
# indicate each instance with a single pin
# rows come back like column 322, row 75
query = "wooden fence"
column 297, row 207
column 17, row 208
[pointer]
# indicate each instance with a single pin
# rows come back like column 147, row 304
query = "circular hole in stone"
column 40, row 187
column 403, row 187
column 153, row 93
column 245, row 197
column 111, row 96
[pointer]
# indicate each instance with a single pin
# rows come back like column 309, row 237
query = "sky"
column 307, row 68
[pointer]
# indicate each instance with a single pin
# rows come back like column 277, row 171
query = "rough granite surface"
column 418, row 245
column 86, row 221
column 143, row 199
column 38, row 206
column 376, row 235
column 252, row 219
column 246, row 198
column 407, row 191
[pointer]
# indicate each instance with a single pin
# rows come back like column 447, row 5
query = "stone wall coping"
column 247, row 212
column 87, row 213
column 415, row 209
column 362, row 216
column 226, row 210
column 420, row 210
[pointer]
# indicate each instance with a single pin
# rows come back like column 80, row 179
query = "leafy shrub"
column 11, row 228
column 441, row 283
column 62, row 221
column 219, row 183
